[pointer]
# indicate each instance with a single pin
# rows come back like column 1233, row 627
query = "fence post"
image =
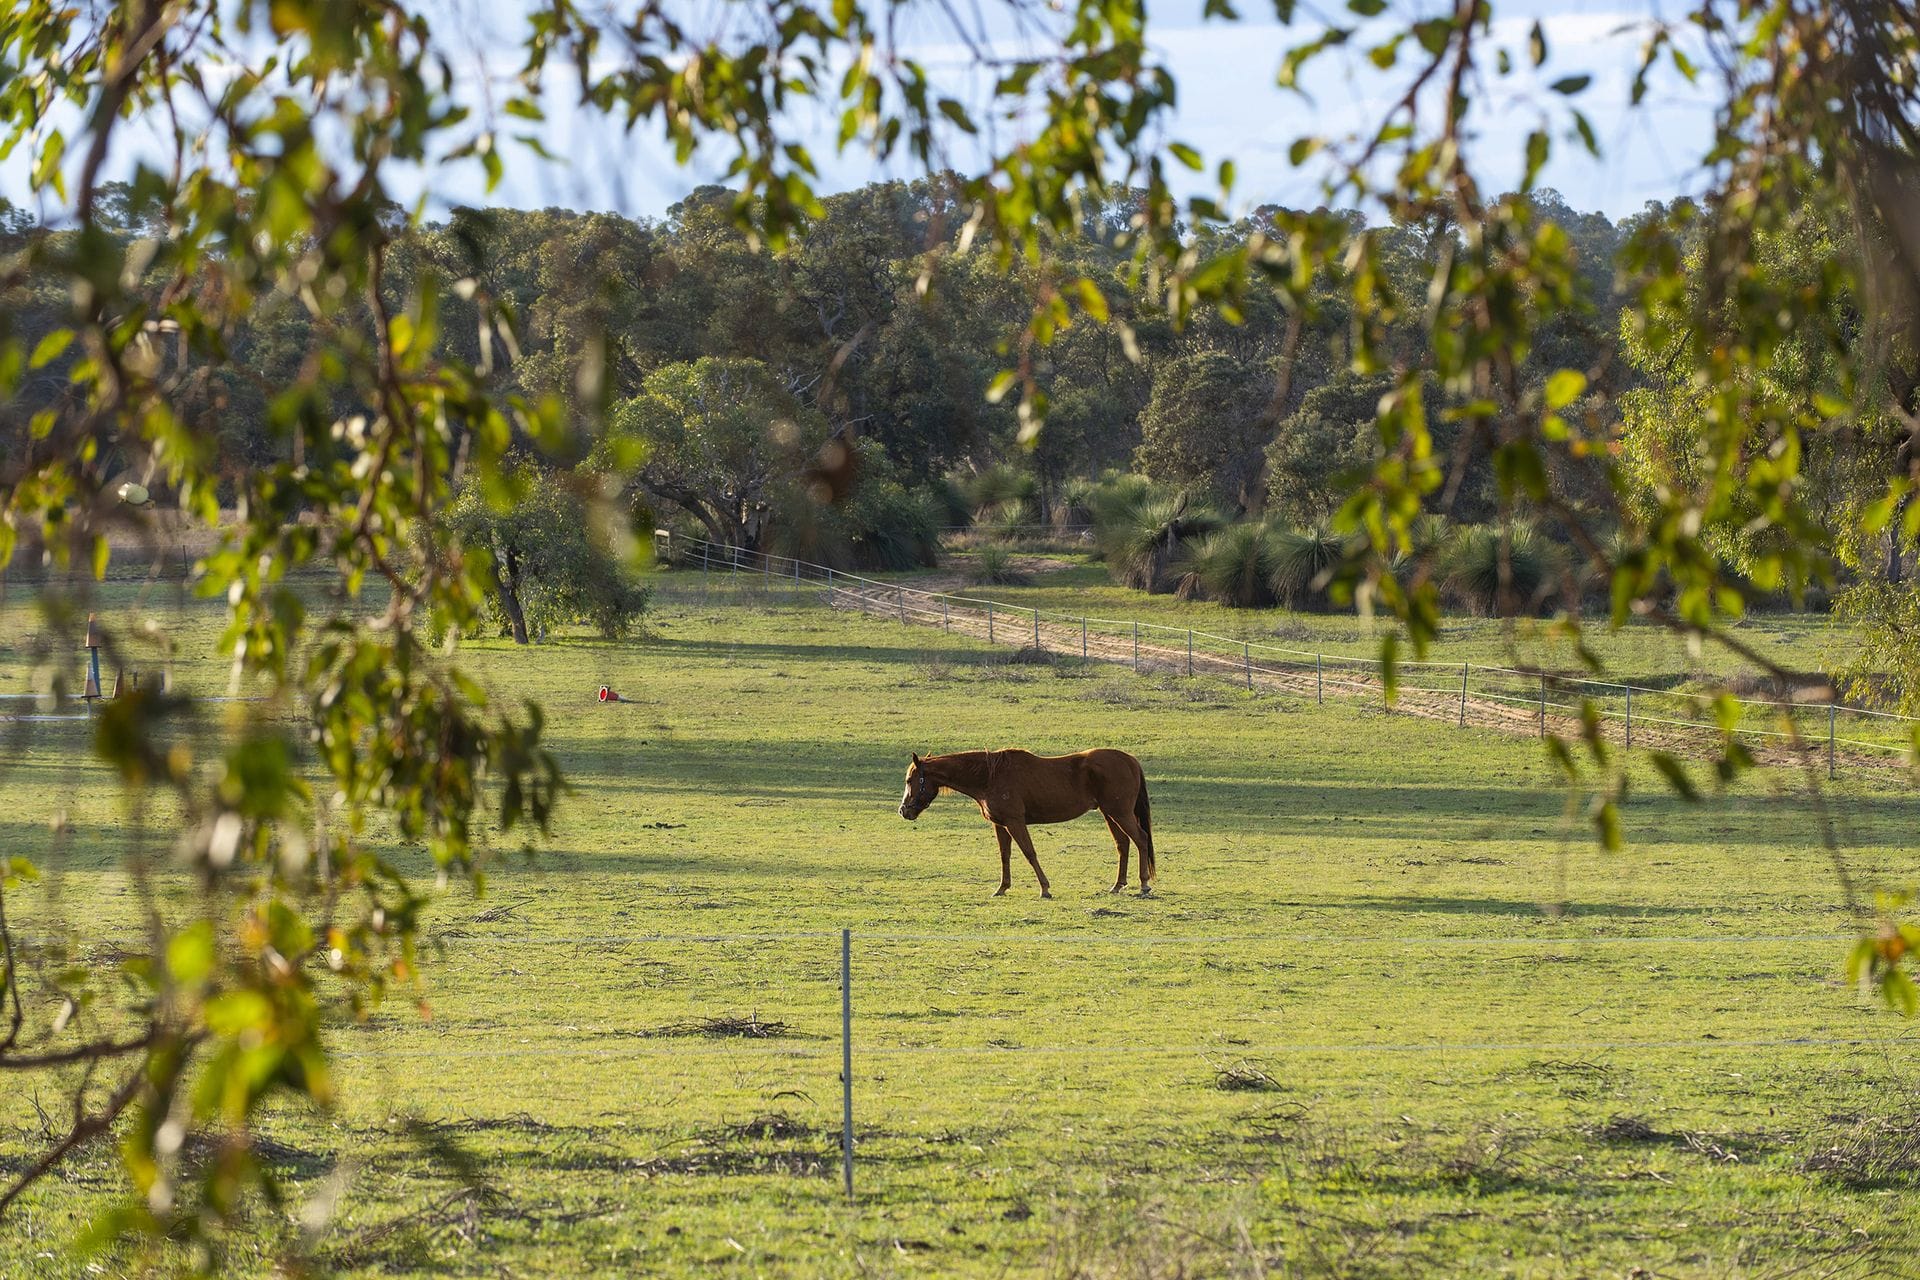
column 1833, row 709
column 1543, row 704
column 900, row 596
column 1036, row 630
column 829, row 586
column 1083, row 637
column 846, row 1057
column 989, row 622
column 1319, row 683
column 1136, row 648
column 1463, row 695
column 706, row 555
column 1629, row 715
column 946, row 615
column 1189, row 650
column 796, row 573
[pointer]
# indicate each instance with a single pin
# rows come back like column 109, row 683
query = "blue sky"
column 1229, row 106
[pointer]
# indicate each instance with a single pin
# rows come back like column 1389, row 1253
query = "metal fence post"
column 1083, row 638
column 1463, row 695
column 1629, row 715
column 1246, row 657
column 846, row 1057
column 1319, row 682
column 1543, row 704
column 706, row 555
column 1136, row 648
column 900, row 596
column 1036, row 629
column 829, row 586
column 989, row 622
column 1189, row 650
column 1832, row 710
column 946, row 615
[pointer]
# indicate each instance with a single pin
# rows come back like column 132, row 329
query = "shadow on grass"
column 1504, row 906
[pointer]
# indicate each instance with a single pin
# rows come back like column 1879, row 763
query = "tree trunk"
column 508, row 584
column 1895, row 534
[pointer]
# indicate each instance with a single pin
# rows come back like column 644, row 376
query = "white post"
column 989, row 622
column 1189, row 650
column 1463, row 695
column 1036, row 628
column 1319, row 682
column 1136, row 648
column 1833, row 709
column 1629, row 715
column 846, row 1057
column 1083, row 639
column 1246, row 656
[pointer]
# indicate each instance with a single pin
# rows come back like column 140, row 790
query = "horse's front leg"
column 1006, row 859
column 1019, row 830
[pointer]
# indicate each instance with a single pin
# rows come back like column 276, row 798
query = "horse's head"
column 920, row 791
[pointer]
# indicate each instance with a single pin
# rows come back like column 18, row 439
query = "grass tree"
column 1142, row 538
column 1236, row 566
column 1501, row 570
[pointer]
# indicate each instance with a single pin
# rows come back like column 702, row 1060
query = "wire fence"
column 1467, row 694
column 857, row 980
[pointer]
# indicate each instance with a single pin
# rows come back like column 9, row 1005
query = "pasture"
column 1390, row 1012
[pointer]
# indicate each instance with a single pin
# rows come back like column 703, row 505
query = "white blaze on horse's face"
column 919, row 793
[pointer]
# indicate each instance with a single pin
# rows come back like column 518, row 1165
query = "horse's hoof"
column 1046, row 893
column 999, row 893
column 1117, row 888
column 1145, row 892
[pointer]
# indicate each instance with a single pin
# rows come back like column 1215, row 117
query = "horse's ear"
column 915, row 755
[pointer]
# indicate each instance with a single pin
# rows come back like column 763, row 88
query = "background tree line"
column 729, row 371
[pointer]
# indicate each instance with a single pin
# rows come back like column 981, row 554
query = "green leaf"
column 1187, row 156
column 1564, row 386
column 190, row 954
column 1537, row 146
column 1607, row 820
column 1675, row 774
column 958, row 114
column 48, row 349
column 1537, row 44
column 1367, row 8
column 1571, row 84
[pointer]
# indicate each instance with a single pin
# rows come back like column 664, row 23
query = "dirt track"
column 1349, row 681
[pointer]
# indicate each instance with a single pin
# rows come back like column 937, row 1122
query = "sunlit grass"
column 1391, row 1011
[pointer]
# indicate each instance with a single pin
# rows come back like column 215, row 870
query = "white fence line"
column 1257, row 664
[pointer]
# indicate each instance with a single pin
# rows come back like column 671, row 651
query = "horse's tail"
column 1143, row 814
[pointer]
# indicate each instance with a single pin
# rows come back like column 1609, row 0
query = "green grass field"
column 1390, row 1013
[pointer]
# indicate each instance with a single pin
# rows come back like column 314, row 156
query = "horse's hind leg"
column 1033, row 859
column 1120, row 842
column 1006, row 859
column 1131, row 828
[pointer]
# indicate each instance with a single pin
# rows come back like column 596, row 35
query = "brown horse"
column 1015, row 788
